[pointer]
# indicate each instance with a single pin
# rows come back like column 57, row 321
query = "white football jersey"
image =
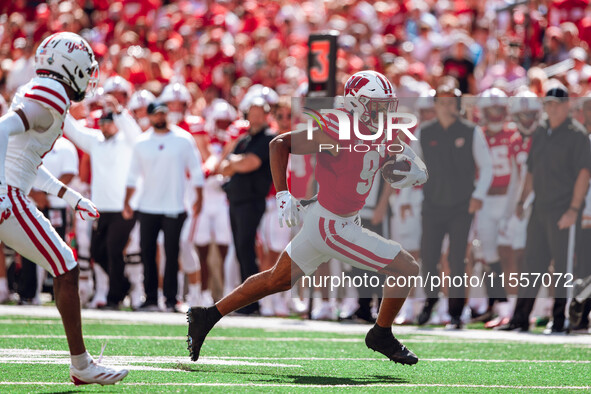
column 25, row 151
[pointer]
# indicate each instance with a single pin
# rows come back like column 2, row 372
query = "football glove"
column 83, row 206
column 417, row 175
column 288, row 209
column 5, row 207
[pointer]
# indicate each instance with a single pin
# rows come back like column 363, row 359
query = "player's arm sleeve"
column 47, row 182
column 128, row 126
column 134, row 168
column 483, row 160
column 10, row 124
column 194, row 165
column 83, row 137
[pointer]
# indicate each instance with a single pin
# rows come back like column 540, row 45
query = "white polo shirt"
column 163, row 162
column 109, row 159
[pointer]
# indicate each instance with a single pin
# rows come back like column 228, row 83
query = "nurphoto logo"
column 390, row 128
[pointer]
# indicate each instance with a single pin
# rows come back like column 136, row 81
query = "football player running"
column 331, row 228
column 65, row 67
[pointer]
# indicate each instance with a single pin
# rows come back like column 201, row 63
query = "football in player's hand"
column 392, row 165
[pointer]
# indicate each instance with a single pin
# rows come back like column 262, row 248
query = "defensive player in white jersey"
column 65, row 67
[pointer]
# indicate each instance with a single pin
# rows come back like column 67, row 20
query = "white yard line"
column 31, row 356
column 278, row 324
column 222, row 338
column 319, row 386
column 427, row 339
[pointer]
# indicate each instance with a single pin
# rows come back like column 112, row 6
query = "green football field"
column 283, row 355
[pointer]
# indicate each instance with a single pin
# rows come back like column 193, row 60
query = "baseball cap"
column 556, row 93
column 157, row 106
column 106, row 117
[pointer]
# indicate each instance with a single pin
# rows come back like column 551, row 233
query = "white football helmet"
column 368, row 93
column 117, row 84
column 140, row 99
column 270, row 96
column 493, row 107
column 68, row 58
column 222, row 110
column 175, row 92
column 526, row 111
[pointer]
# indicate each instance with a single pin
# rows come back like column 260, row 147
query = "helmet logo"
column 50, row 60
column 76, row 46
column 385, row 85
column 355, row 83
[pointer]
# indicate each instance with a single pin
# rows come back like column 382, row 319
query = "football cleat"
column 425, row 314
column 199, row 327
column 96, row 374
column 390, row 347
column 511, row 326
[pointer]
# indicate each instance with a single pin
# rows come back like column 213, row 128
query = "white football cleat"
column 96, row 373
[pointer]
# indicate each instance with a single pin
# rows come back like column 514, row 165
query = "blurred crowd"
column 202, row 58
column 221, row 48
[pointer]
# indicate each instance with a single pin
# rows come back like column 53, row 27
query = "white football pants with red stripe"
column 325, row 235
column 31, row 235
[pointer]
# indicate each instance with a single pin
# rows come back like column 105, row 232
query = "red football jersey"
column 520, row 146
column 500, row 149
column 344, row 181
column 193, row 124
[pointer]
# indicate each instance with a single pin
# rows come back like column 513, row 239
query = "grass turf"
column 266, row 361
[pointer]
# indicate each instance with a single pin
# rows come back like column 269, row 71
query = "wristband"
column 72, row 197
column 574, row 209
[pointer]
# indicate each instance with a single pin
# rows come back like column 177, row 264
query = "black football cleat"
column 425, row 314
column 390, row 347
column 513, row 327
column 199, row 327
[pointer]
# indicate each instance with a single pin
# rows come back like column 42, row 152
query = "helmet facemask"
column 526, row 121
column 372, row 107
column 494, row 117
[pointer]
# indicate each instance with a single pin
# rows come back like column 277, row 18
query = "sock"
column 382, row 331
column 3, row 284
column 81, row 361
column 213, row 315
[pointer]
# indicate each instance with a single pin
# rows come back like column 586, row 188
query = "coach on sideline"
column 110, row 154
column 453, row 150
column 558, row 171
column 250, row 182
column 162, row 157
